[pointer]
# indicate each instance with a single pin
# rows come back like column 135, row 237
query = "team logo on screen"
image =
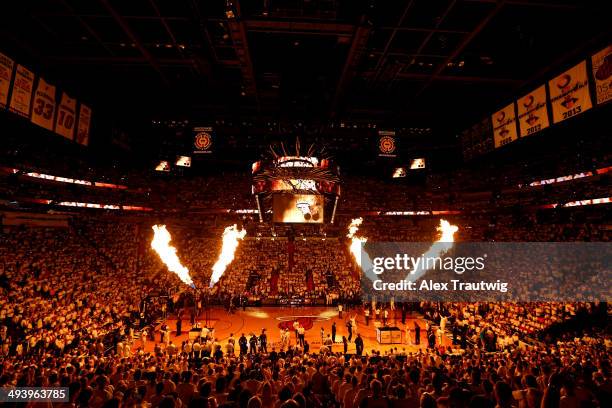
column 203, row 141
column 309, row 212
column 386, row 144
column 564, row 85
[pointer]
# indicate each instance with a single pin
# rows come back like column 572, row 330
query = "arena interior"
column 192, row 193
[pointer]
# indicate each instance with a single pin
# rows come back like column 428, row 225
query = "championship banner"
column 82, row 136
column 569, row 93
column 504, row 126
column 43, row 107
column 387, row 143
column 6, row 72
column 532, row 112
column 202, row 140
column 602, row 72
column 66, row 114
column 22, row 91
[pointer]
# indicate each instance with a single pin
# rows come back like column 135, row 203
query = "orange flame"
column 167, row 253
column 441, row 246
column 356, row 241
column 231, row 235
column 447, row 231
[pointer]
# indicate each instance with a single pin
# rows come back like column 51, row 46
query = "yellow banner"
column 504, row 126
column 66, row 117
column 22, row 91
column 83, row 128
column 6, row 72
column 602, row 72
column 532, row 112
column 569, row 93
column 43, row 106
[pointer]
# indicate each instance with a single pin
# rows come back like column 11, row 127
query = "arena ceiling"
column 418, row 61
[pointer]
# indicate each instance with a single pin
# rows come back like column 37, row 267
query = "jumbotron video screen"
column 297, row 208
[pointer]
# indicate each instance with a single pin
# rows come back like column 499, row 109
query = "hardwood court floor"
column 253, row 320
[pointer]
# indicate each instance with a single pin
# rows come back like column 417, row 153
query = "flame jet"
column 167, row 253
column 441, row 246
column 358, row 250
column 231, row 235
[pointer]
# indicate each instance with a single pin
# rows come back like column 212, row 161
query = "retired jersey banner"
column 21, row 95
column 532, row 112
column 43, row 105
column 387, row 143
column 504, row 126
column 602, row 72
column 6, row 73
column 66, row 117
column 203, row 140
column 569, row 93
column 82, row 136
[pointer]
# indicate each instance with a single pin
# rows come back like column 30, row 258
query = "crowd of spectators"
column 69, row 296
column 65, row 291
column 61, row 290
column 501, row 325
column 563, row 374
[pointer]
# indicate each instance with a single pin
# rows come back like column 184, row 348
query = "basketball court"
column 253, row 320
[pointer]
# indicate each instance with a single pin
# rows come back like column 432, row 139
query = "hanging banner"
column 387, row 143
column 532, row 112
column 21, row 95
column 82, row 136
column 202, row 140
column 66, row 117
column 504, row 126
column 569, row 93
column 6, row 73
column 602, row 72
column 43, row 105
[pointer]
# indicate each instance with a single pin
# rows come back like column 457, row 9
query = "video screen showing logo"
column 417, row 164
column 297, row 208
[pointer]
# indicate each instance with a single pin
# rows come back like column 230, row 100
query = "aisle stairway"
column 274, row 283
column 310, row 285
